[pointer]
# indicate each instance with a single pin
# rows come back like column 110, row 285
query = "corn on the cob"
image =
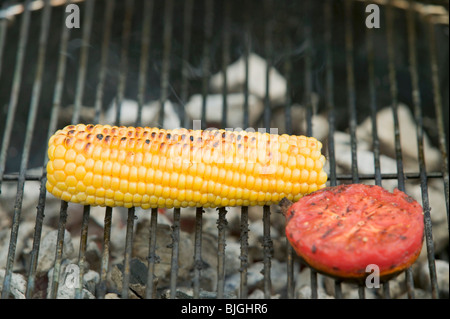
column 150, row 167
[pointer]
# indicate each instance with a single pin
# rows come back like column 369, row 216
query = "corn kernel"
column 58, row 164
column 59, row 152
column 71, row 181
column 90, row 190
column 70, row 155
column 100, row 192
column 60, row 176
column 97, row 181
column 50, row 168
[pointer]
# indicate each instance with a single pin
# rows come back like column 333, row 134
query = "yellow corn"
column 150, row 167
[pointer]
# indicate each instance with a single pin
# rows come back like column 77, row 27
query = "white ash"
column 47, row 250
column 302, row 288
column 69, row 282
column 257, row 68
column 256, row 234
column 29, row 201
column 93, row 254
column 278, row 275
column 118, row 217
column 418, row 294
column 408, row 139
column 188, row 293
column 232, row 261
column 164, row 251
column 256, row 294
column 442, row 274
column 214, row 109
column 149, row 116
column 305, row 293
column 298, row 121
column 255, row 277
column 111, row 295
column 438, row 212
column 26, row 231
column 365, row 156
column 397, row 287
column 90, row 280
column 18, row 284
column 138, row 278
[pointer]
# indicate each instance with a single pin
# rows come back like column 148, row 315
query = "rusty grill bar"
column 150, row 19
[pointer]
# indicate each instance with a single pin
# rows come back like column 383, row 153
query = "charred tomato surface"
column 341, row 230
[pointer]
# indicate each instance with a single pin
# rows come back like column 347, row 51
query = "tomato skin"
column 341, row 230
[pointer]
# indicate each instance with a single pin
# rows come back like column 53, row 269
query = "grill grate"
column 180, row 60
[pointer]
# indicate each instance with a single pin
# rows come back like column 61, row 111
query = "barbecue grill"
column 333, row 64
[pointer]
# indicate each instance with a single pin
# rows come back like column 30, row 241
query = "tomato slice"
column 341, row 230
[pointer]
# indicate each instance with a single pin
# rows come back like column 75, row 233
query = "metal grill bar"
column 175, row 252
column 198, row 262
column 243, row 239
column 351, row 94
column 394, row 91
column 288, row 124
column 329, row 101
column 87, row 26
column 206, row 65
column 268, row 52
column 267, row 250
column 143, row 66
column 308, row 66
column 373, row 106
column 416, row 101
column 82, row 253
column 247, row 47
column 424, row 184
column 221, row 242
column 167, row 41
column 225, row 59
column 152, row 258
column 128, row 250
column 103, row 59
column 308, row 103
column 187, row 26
column 3, row 25
column 373, row 114
column 59, row 250
column 101, row 288
column 126, row 29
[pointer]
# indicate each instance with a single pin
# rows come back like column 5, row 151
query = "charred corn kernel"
column 149, row 167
